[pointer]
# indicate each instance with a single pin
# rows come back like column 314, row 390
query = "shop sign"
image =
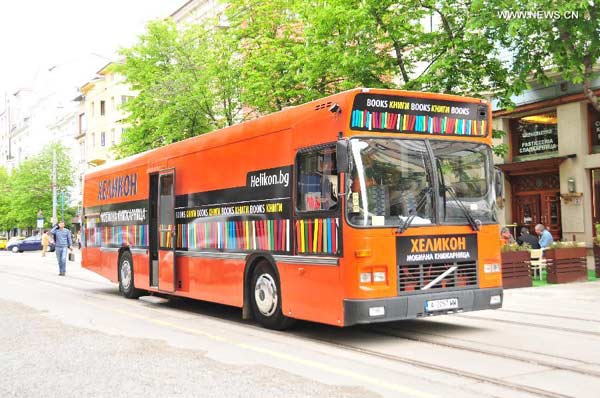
column 436, row 249
column 536, row 138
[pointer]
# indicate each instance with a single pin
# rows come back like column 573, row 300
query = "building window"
column 92, row 108
column 82, row 122
column 102, row 138
column 82, row 151
column 596, row 198
column 112, row 103
column 93, row 140
column 534, row 134
column 102, row 108
column 594, row 128
column 125, row 98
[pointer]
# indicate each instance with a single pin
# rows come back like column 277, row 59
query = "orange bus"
column 366, row 206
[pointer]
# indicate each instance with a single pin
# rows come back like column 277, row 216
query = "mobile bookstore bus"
column 366, row 206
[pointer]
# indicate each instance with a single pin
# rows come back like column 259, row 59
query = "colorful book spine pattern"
column 131, row 235
column 269, row 235
column 417, row 123
column 164, row 235
column 318, row 235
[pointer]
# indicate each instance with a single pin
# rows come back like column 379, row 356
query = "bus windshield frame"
column 404, row 179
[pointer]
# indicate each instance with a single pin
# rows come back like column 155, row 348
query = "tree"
column 296, row 50
column 563, row 39
column 279, row 53
column 31, row 186
column 6, row 222
column 187, row 82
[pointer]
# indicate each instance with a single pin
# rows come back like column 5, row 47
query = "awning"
column 540, row 166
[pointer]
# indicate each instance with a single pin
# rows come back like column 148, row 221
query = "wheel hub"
column 126, row 274
column 265, row 294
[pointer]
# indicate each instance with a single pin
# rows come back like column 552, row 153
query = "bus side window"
column 317, row 180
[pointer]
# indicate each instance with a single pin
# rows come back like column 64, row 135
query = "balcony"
column 81, row 134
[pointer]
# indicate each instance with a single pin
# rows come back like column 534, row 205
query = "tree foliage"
column 187, row 83
column 6, row 221
column 29, row 188
column 296, row 50
column 272, row 54
column 554, row 38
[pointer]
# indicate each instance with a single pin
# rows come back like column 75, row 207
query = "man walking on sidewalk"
column 62, row 242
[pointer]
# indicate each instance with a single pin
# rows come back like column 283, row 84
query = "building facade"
column 65, row 129
column 4, row 133
column 552, row 169
column 197, row 11
column 101, row 121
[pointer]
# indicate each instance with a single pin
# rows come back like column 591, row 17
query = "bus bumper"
column 414, row 306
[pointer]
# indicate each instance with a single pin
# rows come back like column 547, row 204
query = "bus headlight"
column 379, row 276
column 491, row 268
column 365, row 277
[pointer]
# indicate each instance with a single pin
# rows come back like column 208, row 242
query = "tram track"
column 570, row 318
column 558, row 357
column 529, row 324
column 508, row 385
column 386, row 331
column 448, row 370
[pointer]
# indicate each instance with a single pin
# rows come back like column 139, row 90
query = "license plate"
column 440, row 305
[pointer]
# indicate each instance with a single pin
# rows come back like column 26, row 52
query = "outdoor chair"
column 537, row 263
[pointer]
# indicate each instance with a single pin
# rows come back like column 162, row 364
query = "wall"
column 504, row 214
column 572, row 139
column 576, row 214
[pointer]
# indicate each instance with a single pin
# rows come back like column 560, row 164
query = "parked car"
column 3, row 242
column 14, row 240
column 28, row 244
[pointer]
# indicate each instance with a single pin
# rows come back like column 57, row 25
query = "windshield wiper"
column 411, row 217
column 474, row 223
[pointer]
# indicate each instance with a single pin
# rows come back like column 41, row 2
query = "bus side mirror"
column 499, row 187
column 342, row 157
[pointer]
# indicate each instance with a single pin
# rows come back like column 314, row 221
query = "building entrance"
column 536, row 200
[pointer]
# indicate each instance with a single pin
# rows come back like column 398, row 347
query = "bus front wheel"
column 126, row 286
column 265, row 295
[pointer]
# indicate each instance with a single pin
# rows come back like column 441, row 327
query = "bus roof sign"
column 386, row 113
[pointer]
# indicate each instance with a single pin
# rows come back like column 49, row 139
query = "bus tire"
column 265, row 297
column 126, row 286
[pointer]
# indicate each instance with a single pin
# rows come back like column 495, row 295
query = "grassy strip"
column 544, row 282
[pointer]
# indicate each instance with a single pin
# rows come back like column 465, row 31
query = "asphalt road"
column 75, row 336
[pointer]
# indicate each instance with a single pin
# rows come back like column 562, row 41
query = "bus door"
column 166, row 231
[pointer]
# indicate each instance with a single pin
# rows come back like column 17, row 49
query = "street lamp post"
column 54, row 220
column 62, row 205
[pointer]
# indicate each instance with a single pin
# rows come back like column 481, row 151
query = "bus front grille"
column 435, row 277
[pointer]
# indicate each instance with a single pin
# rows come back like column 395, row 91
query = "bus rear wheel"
column 265, row 295
column 126, row 286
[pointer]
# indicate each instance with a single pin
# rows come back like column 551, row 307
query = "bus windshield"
column 392, row 180
column 464, row 174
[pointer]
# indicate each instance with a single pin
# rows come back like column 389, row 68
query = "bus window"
column 317, row 180
column 466, row 169
column 389, row 182
column 165, row 211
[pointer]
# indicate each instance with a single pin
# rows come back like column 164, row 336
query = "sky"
column 39, row 34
